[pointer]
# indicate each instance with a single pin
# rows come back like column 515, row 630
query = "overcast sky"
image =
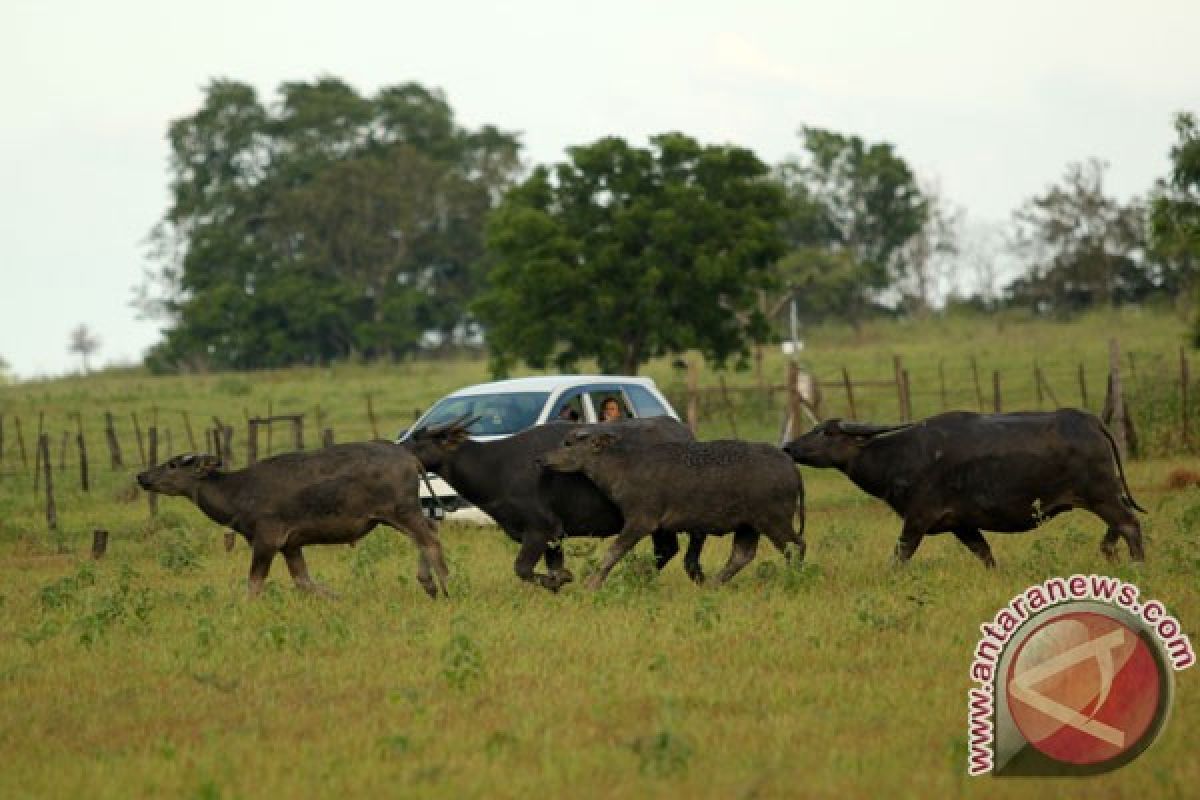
column 992, row 101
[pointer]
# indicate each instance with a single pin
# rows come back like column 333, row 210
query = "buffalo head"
column 431, row 445
column 834, row 443
column 576, row 450
column 178, row 475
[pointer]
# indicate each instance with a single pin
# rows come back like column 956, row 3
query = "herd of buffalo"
column 957, row 472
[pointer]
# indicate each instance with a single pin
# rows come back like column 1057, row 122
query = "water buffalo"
column 699, row 487
column 331, row 496
column 965, row 473
column 537, row 508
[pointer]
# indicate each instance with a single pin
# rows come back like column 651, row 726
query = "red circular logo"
column 1083, row 688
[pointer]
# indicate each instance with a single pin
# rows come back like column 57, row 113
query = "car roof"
column 547, row 383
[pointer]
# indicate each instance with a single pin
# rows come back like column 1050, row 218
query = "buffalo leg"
column 556, row 559
column 625, row 541
column 260, row 565
column 666, row 546
column 691, row 561
column 910, row 540
column 533, row 548
column 424, row 535
column 973, row 540
column 294, row 557
column 745, row 543
column 785, row 539
column 1121, row 523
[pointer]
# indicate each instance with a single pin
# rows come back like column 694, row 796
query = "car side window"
column 646, row 404
column 610, row 404
column 569, row 408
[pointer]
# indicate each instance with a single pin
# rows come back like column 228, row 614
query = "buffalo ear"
column 205, row 465
column 601, row 441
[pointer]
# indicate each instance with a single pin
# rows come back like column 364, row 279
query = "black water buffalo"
column 537, row 508
column 699, row 487
column 965, row 473
column 331, row 496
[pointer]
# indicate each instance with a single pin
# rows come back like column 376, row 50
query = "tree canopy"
column 853, row 207
column 624, row 253
column 1175, row 210
column 324, row 225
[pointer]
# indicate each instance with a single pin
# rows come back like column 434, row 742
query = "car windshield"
column 511, row 412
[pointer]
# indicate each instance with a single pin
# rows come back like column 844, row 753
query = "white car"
column 511, row 406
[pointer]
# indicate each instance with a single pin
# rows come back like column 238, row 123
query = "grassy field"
column 149, row 674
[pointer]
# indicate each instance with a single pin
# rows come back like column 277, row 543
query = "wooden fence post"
column 226, row 434
column 1083, row 398
column 975, row 377
column 298, row 431
column 137, row 431
column 898, row 371
column 371, row 417
column 693, row 408
column 114, row 445
column 327, row 437
column 252, row 441
column 99, row 543
column 849, row 393
column 942, row 381
column 729, row 412
column 997, row 405
column 51, row 509
column 791, row 427
column 908, row 409
column 1117, row 428
column 83, row 461
column 1037, row 383
column 152, row 497
column 20, row 442
column 1183, row 397
column 187, row 425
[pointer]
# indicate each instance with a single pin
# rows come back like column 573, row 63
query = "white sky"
column 993, row 101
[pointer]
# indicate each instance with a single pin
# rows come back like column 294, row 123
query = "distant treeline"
column 328, row 225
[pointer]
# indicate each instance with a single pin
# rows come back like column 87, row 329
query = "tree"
column 327, row 225
column 858, row 205
column 83, row 343
column 623, row 253
column 1175, row 212
column 1082, row 247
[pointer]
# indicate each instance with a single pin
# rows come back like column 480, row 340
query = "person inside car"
column 610, row 410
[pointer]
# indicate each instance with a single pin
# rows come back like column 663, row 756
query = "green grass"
column 149, row 674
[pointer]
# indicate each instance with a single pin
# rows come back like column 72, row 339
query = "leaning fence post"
column 187, row 424
column 51, row 509
column 137, row 430
column 152, row 497
column 114, row 445
column 849, row 392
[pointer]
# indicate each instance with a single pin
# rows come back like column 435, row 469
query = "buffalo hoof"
column 697, row 576
column 563, row 575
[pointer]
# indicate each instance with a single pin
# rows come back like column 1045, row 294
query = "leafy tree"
column 326, row 225
column 853, row 206
column 1083, row 248
column 625, row 253
column 1175, row 212
column 83, row 343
